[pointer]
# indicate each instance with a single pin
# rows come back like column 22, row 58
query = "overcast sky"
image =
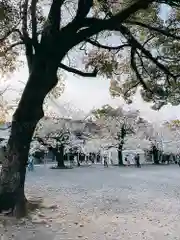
column 89, row 93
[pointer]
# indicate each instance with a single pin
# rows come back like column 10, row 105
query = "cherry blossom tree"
column 59, row 134
column 169, row 135
column 150, row 131
column 134, row 142
column 116, row 124
column 54, row 133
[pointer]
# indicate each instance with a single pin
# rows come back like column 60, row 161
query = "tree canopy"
column 112, row 37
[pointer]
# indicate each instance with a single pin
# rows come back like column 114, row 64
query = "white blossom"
column 133, row 142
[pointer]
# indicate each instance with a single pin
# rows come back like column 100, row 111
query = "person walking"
column 127, row 161
column 30, row 163
column 105, row 161
column 179, row 162
column 137, row 161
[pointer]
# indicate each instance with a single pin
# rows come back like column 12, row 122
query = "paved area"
column 104, row 204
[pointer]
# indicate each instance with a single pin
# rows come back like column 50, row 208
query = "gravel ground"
column 102, row 203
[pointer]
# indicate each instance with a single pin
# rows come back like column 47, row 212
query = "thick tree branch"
column 84, row 7
column 94, row 26
column 29, row 54
column 163, row 32
column 54, row 16
column 99, row 45
column 78, row 72
column 136, row 45
column 27, row 40
column 34, row 23
column 24, row 19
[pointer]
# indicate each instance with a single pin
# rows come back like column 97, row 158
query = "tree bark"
column 121, row 136
column 120, row 157
column 27, row 115
column 13, row 172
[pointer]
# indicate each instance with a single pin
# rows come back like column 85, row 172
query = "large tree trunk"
column 28, row 113
column 120, row 157
column 13, row 171
column 121, row 136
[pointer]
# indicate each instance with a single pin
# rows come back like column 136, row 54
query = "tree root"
column 26, row 208
column 22, row 208
column 33, row 205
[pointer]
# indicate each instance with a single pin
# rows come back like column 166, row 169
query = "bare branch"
column 164, row 32
column 128, row 90
column 12, row 46
column 4, row 90
column 19, row 32
column 135, row 44
column 78, row 72
column 6, row 36
column 134, row 67
column 34, row 23
column 147, row 41
column 142, row 64
column 97, row 44
column 10, row 32
column 172, row 3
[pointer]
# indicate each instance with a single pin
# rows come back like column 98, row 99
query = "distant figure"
column 71, row 158
column 127, row 160
column 179, row 162
column 137, row 161
column 98, row 158
column 31, row 163
column 111, row 160
column 105, row 161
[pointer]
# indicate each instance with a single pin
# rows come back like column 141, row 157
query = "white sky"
column 89, row 93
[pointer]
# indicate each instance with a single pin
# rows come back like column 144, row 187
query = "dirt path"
column 102, row 204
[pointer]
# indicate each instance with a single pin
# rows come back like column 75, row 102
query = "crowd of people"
column 98, row 158
column 136, row 160
column 126, row 159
